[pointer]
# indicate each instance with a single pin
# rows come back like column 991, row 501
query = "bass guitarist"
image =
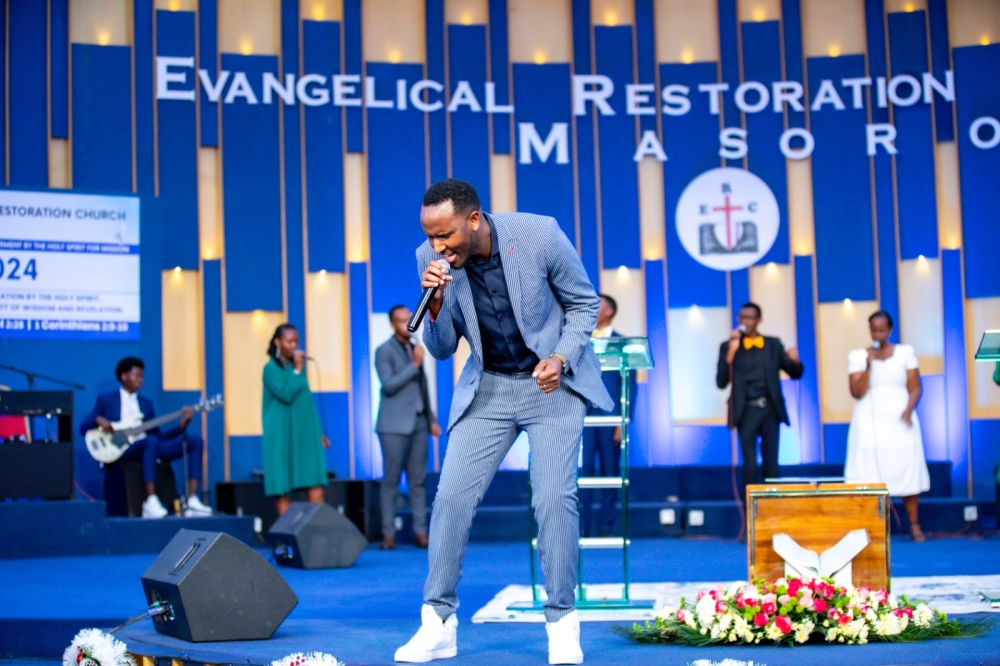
column 127, row 406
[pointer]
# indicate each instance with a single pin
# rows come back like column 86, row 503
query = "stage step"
column 77, row 527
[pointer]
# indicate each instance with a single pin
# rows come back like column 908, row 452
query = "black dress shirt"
column 750, row 364
column 504, row 349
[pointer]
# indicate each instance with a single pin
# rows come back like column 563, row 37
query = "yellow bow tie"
column 756, row 341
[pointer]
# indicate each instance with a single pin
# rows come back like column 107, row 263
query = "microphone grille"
column 445, row 266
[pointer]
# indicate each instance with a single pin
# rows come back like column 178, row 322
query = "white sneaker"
column 434, row 640
column 564, row 639
column 195, row 508
column 152, row 508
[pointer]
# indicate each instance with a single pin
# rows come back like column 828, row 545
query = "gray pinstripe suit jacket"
column 554, row 303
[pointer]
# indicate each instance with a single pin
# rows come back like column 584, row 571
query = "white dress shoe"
column 564, row 639
column 152, row 508
column 195, row 508
column 434, row 640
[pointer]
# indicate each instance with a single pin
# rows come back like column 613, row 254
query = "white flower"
column 101, row 649
column 666, row 612
column 310, row 659
column 923, row 616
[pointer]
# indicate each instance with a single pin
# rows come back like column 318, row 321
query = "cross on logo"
column 730, row 231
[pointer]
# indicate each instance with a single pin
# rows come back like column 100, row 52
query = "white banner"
column 69, row 265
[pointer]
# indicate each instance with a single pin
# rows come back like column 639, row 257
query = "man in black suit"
column 756, row 406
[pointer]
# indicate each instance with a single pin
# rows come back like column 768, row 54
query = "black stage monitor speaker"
column 315, row 536
column 218, row 588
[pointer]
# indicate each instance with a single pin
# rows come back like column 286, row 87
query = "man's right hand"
column 434, row 276
column 418, row 355
column 104, row 424
column 734, row 344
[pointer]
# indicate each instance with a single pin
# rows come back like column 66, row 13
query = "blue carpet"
column 363, row 613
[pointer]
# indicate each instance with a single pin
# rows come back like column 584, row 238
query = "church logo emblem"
column 727, row 219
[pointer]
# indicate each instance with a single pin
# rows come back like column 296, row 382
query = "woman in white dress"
column 884, row 443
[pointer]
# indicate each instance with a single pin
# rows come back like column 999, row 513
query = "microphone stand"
column 32, row 376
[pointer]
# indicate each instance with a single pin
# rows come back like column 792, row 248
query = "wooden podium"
column 817, row 516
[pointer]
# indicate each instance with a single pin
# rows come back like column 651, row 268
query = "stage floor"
column 363, row 613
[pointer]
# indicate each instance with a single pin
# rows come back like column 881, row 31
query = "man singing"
column 756, row 406
column 518, row 293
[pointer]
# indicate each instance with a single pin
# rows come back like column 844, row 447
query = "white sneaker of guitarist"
column 123, row 426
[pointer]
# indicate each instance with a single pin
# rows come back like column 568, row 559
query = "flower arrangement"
column 786, row 612
column 310, row 659
column 93, row 647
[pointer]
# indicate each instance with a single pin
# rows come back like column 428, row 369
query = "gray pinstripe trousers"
column 504, row 406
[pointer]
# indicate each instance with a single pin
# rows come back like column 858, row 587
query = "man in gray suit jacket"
column 404, row 421
column 518, row 293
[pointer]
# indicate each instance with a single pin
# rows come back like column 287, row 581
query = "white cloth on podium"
column 881, row 448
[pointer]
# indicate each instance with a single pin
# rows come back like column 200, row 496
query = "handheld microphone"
column 742, row 328
column 425, row 302
column 876, row 345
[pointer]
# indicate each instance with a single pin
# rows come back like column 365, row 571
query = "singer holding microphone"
column 752, row 362
column 293, row 440
column 514, row 287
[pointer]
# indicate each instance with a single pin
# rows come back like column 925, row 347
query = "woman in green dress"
column 293, row 438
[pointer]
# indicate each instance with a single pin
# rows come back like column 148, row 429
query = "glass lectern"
column 621, row 355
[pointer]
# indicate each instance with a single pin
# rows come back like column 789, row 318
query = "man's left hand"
column 548, row 373
column 617, row 435
column 186, row 415
column 435, row 430
column 793, row 354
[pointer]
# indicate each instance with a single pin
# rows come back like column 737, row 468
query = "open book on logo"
column 834, row 563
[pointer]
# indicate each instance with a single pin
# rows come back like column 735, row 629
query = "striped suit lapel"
column 463, row 294
column 509, row 260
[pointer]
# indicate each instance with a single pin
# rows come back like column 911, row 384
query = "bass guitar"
column 107, row 447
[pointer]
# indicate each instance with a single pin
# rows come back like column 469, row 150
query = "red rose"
column 794, row 586
column 844, row 619
column 769, row 607
column 721, row 607
column 681, row 615
column 79, row 656
column 783, row 623
column 760, row 620
column 819, row 605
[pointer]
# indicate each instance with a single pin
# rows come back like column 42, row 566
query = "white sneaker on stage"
column 152, row 508
column 434, row 640
column 564, row 639
column 195, row 508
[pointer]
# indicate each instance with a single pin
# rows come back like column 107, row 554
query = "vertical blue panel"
column 396, row 183
column 730, row 65
column 932, row 411
column 645, row 48
column 835, row 443
column 208, row 59
column 658, row 379
column 177, row 141
column 937, row 19
column 805, row 325
column 791, row 32
column 499, row 73
column 985, row 436
column 956, row 395
column 845, row 256
column 739, row 292
column 27, row 101
column 437, row 121
column 586, row 170
column 324, row 154
column 102, row 118
column 245, row 456
column 3, row 103
column 885, row 197
column 445, row 376
column 617, row 141
column 214, row 377
column 59, row 68
column 542, row 93
column 762, row 62
column 335, row 415
column 361, row 397
column 691, row 142
column 977, row 78
column 701, row 445
column 915, row 182
column 142, row 31
column 250, row 193
column 295, row 263
column 353, row 65
column 470, row 133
